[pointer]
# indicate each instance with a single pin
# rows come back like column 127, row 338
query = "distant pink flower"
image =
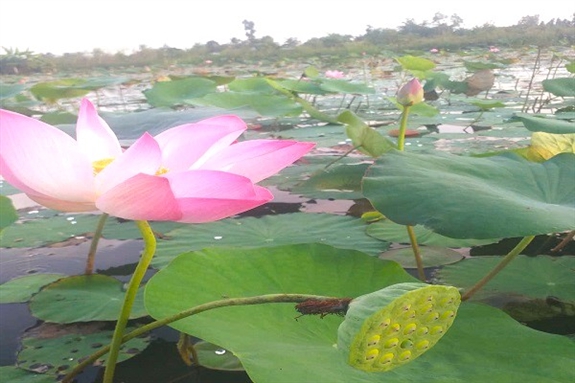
column 434, row 50
column 190, row 173
column 334, row 74
column 493, row 49
column 208, row 62
column 410, row 93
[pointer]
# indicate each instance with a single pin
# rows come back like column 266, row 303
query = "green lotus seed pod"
column 395, row 325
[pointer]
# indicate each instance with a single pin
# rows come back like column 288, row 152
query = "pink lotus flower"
column 334, row 74
column 190, row 173
column 493, row 49
column 410, row 93
column 434, row 50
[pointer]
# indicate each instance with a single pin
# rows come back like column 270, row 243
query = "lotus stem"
column 257, row 300
column 134, row 284
column 94, row 245
column 410, row 232
column 500, row 266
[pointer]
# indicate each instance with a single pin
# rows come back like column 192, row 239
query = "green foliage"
column 562, row 87
column 272, row 346
column 467, row 197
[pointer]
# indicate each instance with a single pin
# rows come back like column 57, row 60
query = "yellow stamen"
column 99, row 165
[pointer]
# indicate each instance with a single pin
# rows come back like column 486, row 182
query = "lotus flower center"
column 99, row 165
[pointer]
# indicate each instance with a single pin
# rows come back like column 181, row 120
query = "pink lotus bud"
column 411, row 93
column 334, row 74
column 434, row 50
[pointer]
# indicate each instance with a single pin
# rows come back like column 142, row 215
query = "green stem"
column 410, row 232
column 504, row 262
column 257, row 300
column 94, row 245
column 416, row 252
column 402, row 128
column 133, row 286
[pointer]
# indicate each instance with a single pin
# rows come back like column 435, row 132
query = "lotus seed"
column 422, row 331
column 384, row 324
column 373, row 340
column 436, row 330
column 386, row 358
column 447, row 314
column 423, row 345
column 410, row 328
column 406, row 344
column 406, row 355
column 391, row 343
column 372, row 354
column 432, row 317
column 395, row 327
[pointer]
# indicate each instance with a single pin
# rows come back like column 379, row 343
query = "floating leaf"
column 249, row 233
column 19, row 290
column 487, row 104
column 10, row 90
column 179, row 92
column 337, row 182
column 415, row 63
column 562, row 87
column 298, row 86
column 83, row 298
column 265, row 104
column 345, row 87
column 431, row 256
column 535, row 277
column 467, row 197
column 390, row 231
column 54, row 90
column 540, row 124
column 56, row 356
column 14, row 374
column 274, row 347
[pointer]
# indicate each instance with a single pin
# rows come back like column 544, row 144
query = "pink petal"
column 184, row 145
column 258, row 159
column 43, row 161
column 144, row 156
column 206, row 196
column 142, row 197
column 94, row 135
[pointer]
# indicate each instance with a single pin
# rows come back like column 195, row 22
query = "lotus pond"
column 483, row 177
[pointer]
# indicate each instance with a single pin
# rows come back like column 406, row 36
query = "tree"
column 249, row 27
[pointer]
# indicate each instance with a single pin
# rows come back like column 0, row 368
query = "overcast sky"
column 60, row 26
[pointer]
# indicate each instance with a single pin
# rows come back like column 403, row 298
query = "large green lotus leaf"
column 251, row 85
column 8, row 214
column 415, row 63
column 83, row 298
column 540, row 124
column 57, row 351
column 535, row 277
column 343, row 86
column 55, row 90
column 468, row 197
column 179, row 92
column 390, row 231
column 484, row 344
column 19, row 290
column 337, row 182
column 214, row 357
column 271, row 230
column 265, row 104
column 431, row 256
column 14, row 374
column 299, row 86
column 562, row 87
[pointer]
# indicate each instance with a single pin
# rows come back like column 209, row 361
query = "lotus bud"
column 393, row 326
column 410, row 93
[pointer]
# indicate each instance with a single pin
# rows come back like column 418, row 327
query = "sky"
column 69, row 26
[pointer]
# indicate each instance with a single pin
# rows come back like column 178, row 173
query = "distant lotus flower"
column 411, row 93
column 493, row 49
column 190, row 173
column 208, row 62
column 334, row 74
column 434, row 50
